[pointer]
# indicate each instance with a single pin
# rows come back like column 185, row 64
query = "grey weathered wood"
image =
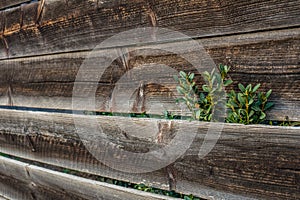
column 34, row 182
column 63, row 26
column 253, row 161
column 8, row 3
column 47, row 81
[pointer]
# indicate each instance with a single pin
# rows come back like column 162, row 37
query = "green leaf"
column 239, row 111
column 235, row 115
column 191, row 76
column 185, row 86
column 295, row 124
column 205, row 88
column 206, row 75
column 251, row 113
column 241, row 99
column 256, row 108
column 259, row 95
column 180, row 90
column 226, row 68
column 187, row 198
column 250, row 101
column 227, row 82
column 241, row 87
column 262, row 116
column 256, row 88
column 249, row 87
column 269, row 105
column 182, row 74
column 202, row 96
column 268, row 93
column 208, row 109
column 234, row 104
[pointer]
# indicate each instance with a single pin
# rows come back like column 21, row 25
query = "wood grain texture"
column 63, row 26
column 8, row 3
column 246, row 162
column 25, row 181
column 271, row 59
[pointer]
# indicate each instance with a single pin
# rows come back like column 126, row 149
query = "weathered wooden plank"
column 63, row 26
column 47, row 81
column 8, row 3
column 40, row 183
column 80, row 157
column 253, row 161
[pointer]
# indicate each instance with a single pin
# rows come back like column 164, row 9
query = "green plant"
column 170, row 115
column 139, row 115
column 248, row 106
column 4, row 155
column 145, row 188
column 286, row 122
column 202, row 103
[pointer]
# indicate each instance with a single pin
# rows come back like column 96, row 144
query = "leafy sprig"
column 248, row 106
column 201, row 104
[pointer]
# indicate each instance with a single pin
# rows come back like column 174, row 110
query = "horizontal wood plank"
column 271, row 59
column 24, row 181
column 53, row 26
column 246, row 162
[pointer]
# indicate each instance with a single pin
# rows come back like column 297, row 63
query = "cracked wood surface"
column 247, row 162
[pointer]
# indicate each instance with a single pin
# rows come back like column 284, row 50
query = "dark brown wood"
column 247, row 161
column 20, row 180
column 47, row 81
column 63, row 26
column 8, row 3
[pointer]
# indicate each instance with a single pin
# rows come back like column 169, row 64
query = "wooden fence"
column 43, row 44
